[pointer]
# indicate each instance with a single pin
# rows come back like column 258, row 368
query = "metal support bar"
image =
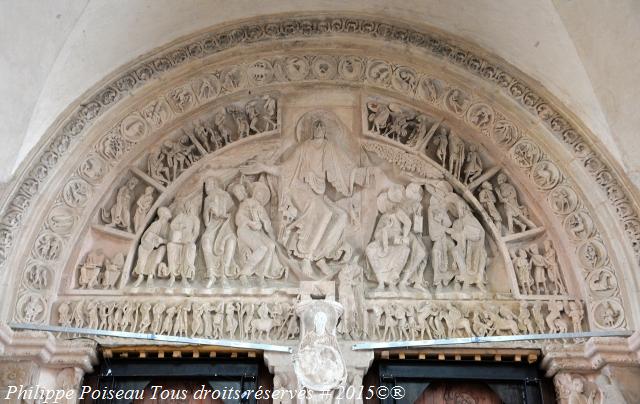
column 155, row 337
column 361, row 346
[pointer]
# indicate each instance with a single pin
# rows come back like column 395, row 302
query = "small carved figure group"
column 398, row 123
column 389, row 321
column 228, row 124
column 100, row 272
column 536, row 272
column 462, row 161
column 238, row 241
column 120, row 216
column 206, row 319
column 458, row 251
column 505, row 196
column 397, row 253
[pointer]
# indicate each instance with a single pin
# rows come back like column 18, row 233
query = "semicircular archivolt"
column 317, row 68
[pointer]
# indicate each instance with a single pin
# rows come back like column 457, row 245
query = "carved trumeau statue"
column 318, row 362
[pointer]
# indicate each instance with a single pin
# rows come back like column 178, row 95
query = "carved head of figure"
column 396, row 193
column 577, row 385
column 383, row 203
column 320, row 323
column 486, row 185
column 533, row 249
column 131, row 184
column 239, row 191
column 260, row 192
column 319, row 130
column 413, row 191
column 164, row 213
column 210, row 185
column 502, row 178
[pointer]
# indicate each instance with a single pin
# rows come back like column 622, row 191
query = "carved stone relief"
column 465, row 161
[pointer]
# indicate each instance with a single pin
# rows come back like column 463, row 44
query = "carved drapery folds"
column 435, row 198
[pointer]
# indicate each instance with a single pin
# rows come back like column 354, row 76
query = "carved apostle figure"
column 539, row 265
column 473, row 165
column 152, row 247
column 120, row 213
column 143, row 204
column 513, row 211
column 413, row 273
column 316, row 234
column 553, row 270
column 181, row 248
column 523, row 270
column 456, row 155
column 439, row 226
column 218, row 240
column 351, row 296
column 469, row 252
column 488, row 200
column 388, row 252
column 255, row 234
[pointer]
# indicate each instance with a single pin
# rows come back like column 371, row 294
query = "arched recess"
column 358, row 69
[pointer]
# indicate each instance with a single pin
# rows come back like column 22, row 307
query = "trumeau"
column 214, row 184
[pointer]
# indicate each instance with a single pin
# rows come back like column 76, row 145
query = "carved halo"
column 334, row 128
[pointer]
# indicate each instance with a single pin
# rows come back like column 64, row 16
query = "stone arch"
column 560, row 172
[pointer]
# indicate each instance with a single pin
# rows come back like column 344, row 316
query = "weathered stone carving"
column 557, row 124
column 100, row 272
column 196, row 317
column 314, row 231
column 538, row 272
column 143, row 205
column 119, row 215
column 318, row 362
column 218, row 242
column 152, row 248
column 393, row 320
column 513, row 211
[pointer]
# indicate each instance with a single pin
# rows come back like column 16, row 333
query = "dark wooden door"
column 177, row 391
column 458, row 393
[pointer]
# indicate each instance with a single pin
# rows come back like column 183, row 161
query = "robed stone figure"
column 310, row 181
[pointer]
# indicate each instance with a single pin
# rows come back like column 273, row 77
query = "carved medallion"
column 378, row 72
column 30, row 308
column 592, row 254
column 296, row 68
column 260, row 72
column 546, row 175
column 608, row 314
column 563, row 200
column 62, row 219
column 351, row 68
column 76, row 193
column 579, row 225
column 134, row 128
column 404, row 79
column 324, row 67
column 93, row 168
column 525, row 153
